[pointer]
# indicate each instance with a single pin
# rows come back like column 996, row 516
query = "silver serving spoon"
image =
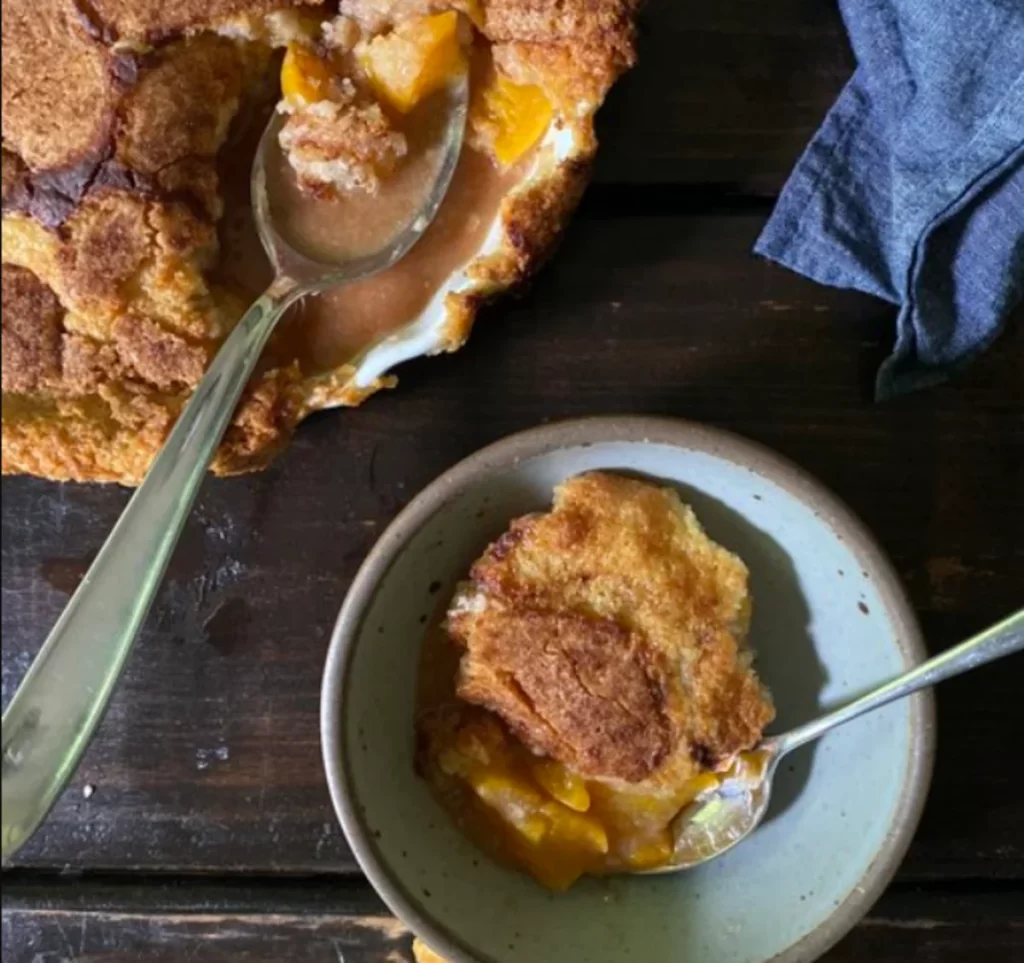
column 725, row 817
column 63, row 696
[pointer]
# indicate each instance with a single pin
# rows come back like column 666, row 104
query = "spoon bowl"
column 289, row 260
column 712, row 825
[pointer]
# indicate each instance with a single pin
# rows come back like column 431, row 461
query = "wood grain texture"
column 209, row 758
column 331, row 922
column 726, row 94
column 339, row 922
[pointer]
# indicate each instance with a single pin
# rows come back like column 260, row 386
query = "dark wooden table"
column 199, row 825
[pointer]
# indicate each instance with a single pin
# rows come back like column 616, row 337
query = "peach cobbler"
column 591, row 680
column 129, row 128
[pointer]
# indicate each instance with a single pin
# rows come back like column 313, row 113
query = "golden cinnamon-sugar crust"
column 609, row 635
column 31, row 319
column 58, row 90
column 117, row 121
column 603, row 23
column 155, row 20
column 355, row 139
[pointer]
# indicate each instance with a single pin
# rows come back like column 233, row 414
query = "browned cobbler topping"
column 58, row 95
column 342, row 146
column 32, row 330
column 577, row 625
column 602, row 683
column 580, row 689
column 14, row 173
column 121, row 208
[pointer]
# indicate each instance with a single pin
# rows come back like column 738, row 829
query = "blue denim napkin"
column 913, row 188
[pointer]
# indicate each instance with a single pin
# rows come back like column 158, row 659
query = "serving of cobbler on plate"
column 128, row 248
column 589, row 681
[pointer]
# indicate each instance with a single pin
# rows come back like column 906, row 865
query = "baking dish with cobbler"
column 128, row 248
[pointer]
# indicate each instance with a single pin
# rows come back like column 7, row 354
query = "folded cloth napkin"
column 913, row 188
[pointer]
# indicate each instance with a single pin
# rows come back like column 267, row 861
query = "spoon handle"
column 64, row 693
column 1000, row 640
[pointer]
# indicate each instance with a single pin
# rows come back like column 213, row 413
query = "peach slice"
column 649, row 853
column 305, row 77
column 512, row 117
column 561, row 784
column 415, row 60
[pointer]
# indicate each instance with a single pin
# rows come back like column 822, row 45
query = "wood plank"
column 330, row 922
column 199, row 920
column 725, row 93
column 209, row 757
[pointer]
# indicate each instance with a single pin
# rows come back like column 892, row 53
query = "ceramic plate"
column 830, row 621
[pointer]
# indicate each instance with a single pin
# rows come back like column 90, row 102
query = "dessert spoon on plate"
column 721, row 818
column 61, row 700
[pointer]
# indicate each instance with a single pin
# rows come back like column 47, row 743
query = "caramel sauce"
column 355, row 224
column 327, row 331
column 336, row 326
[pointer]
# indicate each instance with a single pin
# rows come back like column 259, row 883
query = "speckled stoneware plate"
column 830, row 620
